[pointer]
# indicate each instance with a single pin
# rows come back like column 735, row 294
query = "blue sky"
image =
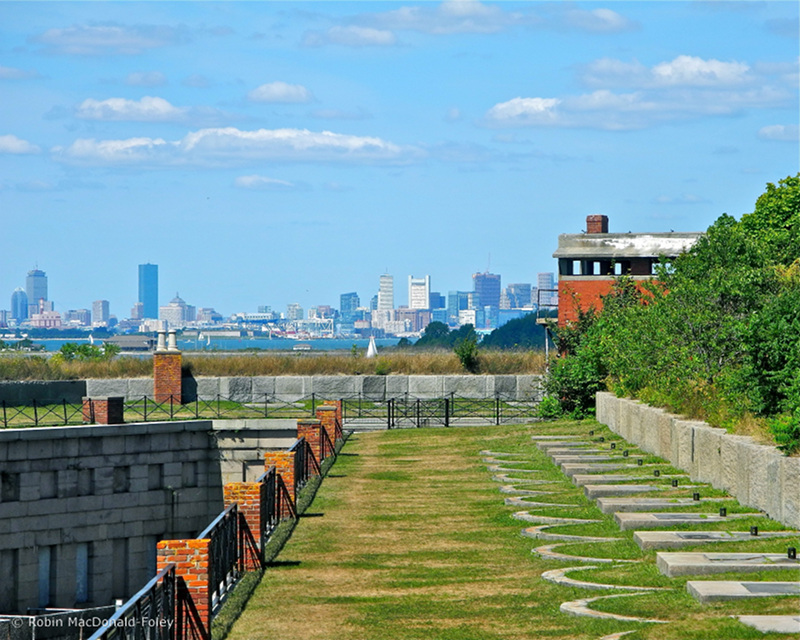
column 263, row 153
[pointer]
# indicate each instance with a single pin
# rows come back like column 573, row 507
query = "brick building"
column 588, row 262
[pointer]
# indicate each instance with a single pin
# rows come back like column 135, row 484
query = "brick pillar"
column 167, row 376
column 104, row 410
column 311, row 429
column 191, row 561
column 326, row 414
column 248, row 496
column 284, row 465
column 597, row 224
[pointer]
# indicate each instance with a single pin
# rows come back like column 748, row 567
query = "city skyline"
column 276, row 153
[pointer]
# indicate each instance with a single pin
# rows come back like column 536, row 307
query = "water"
column 241, row 344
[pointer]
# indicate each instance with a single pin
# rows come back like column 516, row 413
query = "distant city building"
column 177, row 313
column 437, row 301
column 19, row 305
column 148, row 290
column 100, row 313
column 207, row 315
column 386, row 293
column 348, row 303
column 294, row 311
column 36, row 290
column 588, row 262
column 518, row 295
column 457, row 301
column 547, row 290
column 373, row 303
column 46, row 319
column 487, row 290
column 137, row 311
column 77, row 318
column 419, row 292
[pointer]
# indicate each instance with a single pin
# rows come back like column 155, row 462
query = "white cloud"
column 148, row 109
column 781, row 132
column 232, row 146
column 685, row 71
column 17, row 146
column 350, row 36
column 11, row 73
column 108, row 39
column 280, row 92
column 599, row 21
column 146, row 79
column 264, row 183
column 693, row 71
column 524, row 111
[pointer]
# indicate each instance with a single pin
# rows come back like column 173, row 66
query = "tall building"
column 457, row 301
column 419, row 292
column 348, row 303
column 519, row 295
column 294, row 311
column 19, row 305
column 386, row 293
column 547, row 289
column 148, row 290
column 487, row 290
column 177, row 313
column 36, row 290
column 100, row 312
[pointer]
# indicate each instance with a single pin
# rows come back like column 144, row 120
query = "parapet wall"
column 283, row 388
column 82, row 508
column 759, row 476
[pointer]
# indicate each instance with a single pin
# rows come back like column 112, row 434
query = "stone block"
column 650, row 436
column 335, row 387
column 790, row 496
column 529, row 387
column 290, row 388
column 505, row 386
column 207, row 388
column 374, row 387
column 139, row 388
column 664, row 426
column 708, row 455
column 425, row 386
column 263, row 387
column 462, row 386
column 103, row 388
column 236, row 389
column 396, row 386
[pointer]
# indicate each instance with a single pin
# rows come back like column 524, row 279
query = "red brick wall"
column 311, row 429
column 167, row 376
column 284, row 465
column 580, row 294
column 191, row 561
column 597, row 224
column 326, row 414
column 248, row 497
column 104, row 410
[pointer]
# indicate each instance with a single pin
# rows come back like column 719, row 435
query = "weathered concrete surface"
column 772, row 624
column 595, row 491
column 627, row 521
column 719, row 590
column 612, row 505
column 757, row 475
column 676, row 539
column 673, row 564
column 571, row 468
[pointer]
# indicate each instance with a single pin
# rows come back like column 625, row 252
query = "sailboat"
column 372, row 350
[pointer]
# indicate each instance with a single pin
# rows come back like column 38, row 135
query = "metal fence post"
column 5, row 419
column 145, row 408
column 64, row 402
column 35, row 414
column 419, row 420
column 447, row 412
column 497, row 409
column 313, row 404
column 196, row 407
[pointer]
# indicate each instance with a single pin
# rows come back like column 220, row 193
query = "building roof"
column 610, row 246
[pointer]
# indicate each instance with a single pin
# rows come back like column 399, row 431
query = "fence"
column 398, row 412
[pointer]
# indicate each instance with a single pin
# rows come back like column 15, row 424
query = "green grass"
column 413, row 542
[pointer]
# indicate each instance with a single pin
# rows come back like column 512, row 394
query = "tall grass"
column 270, row 364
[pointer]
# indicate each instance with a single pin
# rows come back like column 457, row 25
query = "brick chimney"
column 597, row 224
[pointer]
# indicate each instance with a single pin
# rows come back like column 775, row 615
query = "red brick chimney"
column 597, row 224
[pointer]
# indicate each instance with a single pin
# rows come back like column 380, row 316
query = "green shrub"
column 786, row 430
column 467, row 352
column 549, row 409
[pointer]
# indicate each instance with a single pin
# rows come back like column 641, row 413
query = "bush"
column 549, row 409
column 786, row 430
column 467, row 352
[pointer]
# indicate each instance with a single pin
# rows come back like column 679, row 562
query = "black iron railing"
column 223, row 554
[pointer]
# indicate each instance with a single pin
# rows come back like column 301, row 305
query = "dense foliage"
column 717, row 336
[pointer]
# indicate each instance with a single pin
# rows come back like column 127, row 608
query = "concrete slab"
column 718, row 590
column 558, row 444
column 675, row 539
column 571, row 468
column 612, row 505
column 627, row 521
column 573, row 451
column 546, row 438
column 672, row 563
column 772, row 624
column 595, row 491
column 574, row 457
column 582, row 479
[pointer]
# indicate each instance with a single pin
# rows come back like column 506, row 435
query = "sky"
column 266, row 153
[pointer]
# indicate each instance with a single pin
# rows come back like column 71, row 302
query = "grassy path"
column 408, row 538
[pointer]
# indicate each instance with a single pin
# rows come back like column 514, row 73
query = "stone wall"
column 759, row 476
column 285, row 388
column 82, row 508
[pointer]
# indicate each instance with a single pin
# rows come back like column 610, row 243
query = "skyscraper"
column 386, row 293
column 19, row 305
column 487, row 290
column 419, row 292
column 100, row 312
column 36, row 289
column 148, row 290
column 348, row 303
